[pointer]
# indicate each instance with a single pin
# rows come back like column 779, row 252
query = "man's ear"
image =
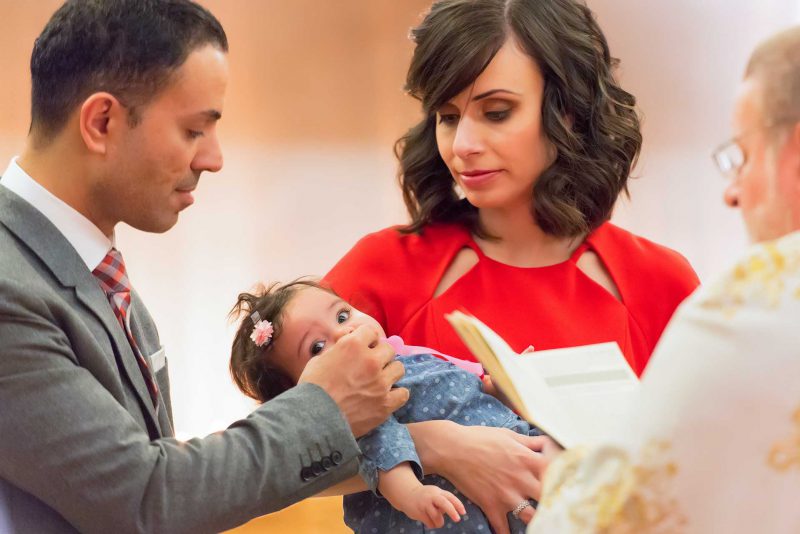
column 99, row 115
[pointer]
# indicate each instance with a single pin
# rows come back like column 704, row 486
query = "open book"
column 576, row 395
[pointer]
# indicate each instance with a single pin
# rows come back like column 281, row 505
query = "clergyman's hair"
column 128, row 48
column 776, row 65
column 590, row 120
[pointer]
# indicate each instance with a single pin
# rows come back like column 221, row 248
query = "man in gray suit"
column 126, row 96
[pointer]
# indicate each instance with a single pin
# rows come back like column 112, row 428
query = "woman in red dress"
column 510, row 179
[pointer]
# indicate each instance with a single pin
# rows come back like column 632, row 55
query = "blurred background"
column 314, row 105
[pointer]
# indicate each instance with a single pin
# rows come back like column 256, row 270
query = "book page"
column 576, row 394
column 529, row 395
column 594, row 384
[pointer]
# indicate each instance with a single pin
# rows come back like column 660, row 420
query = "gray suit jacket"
column 80, row 444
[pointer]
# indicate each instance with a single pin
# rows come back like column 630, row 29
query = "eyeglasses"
column 730, row 157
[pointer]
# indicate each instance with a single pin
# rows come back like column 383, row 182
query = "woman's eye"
column 342, row 316
column 317, row 347
column 448, row 119
column 497, row 116
column 194, row 134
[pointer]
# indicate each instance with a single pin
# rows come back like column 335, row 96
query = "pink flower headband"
column 262, row 330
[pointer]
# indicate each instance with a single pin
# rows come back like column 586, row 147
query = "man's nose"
column 209, row 156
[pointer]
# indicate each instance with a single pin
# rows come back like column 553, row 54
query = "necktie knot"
column 111, row 274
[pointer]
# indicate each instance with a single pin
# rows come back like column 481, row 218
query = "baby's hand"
column 429, row 504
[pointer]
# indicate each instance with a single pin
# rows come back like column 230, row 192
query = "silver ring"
column 520, row 507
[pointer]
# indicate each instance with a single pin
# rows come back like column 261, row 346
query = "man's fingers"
column 366, row 335
column 394, row 371
column 396, row 398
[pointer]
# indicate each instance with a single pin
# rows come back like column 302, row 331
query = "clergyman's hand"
column 358, row 373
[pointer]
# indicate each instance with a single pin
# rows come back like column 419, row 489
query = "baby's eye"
column 317, row 347
column 342, row 316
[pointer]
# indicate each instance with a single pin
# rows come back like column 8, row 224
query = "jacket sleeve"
column 66, row 440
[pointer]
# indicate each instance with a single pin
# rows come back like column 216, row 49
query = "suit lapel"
column 91, row 296
column 66, row 266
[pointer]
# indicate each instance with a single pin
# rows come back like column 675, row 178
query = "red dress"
column 393, row 276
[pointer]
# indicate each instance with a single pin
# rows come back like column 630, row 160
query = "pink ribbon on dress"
column 401, row 349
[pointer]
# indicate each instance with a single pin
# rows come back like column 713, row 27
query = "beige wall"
column 314, row 104
column 301, row 70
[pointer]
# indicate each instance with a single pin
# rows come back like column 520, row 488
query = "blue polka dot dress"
column 439, row 390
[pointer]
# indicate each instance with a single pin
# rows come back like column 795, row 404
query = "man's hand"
column 358, row 373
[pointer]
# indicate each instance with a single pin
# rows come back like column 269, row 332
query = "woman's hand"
column 496, row 468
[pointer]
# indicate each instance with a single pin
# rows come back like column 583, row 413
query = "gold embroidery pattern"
column 633, row 499
column 762, row 278
column 785, row 455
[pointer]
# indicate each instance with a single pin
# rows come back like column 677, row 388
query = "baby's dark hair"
column 251, row 367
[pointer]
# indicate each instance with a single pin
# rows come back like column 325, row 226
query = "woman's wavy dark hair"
column 251, row 367
column 587, row 116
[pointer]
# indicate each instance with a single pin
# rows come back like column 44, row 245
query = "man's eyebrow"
column 211, row 115
column 492, row 92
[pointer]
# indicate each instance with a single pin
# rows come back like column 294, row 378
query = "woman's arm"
column 496, row 468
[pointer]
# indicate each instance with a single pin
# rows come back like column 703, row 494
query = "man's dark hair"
column 128, row 48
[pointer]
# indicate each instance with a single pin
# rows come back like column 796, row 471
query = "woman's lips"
column 477, row 178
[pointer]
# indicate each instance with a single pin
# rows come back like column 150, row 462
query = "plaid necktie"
column 114, row 281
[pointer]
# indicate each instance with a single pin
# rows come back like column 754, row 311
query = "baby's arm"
column 391, row 467
column 425, row 503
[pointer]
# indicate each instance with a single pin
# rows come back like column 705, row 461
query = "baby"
column 286, row 325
